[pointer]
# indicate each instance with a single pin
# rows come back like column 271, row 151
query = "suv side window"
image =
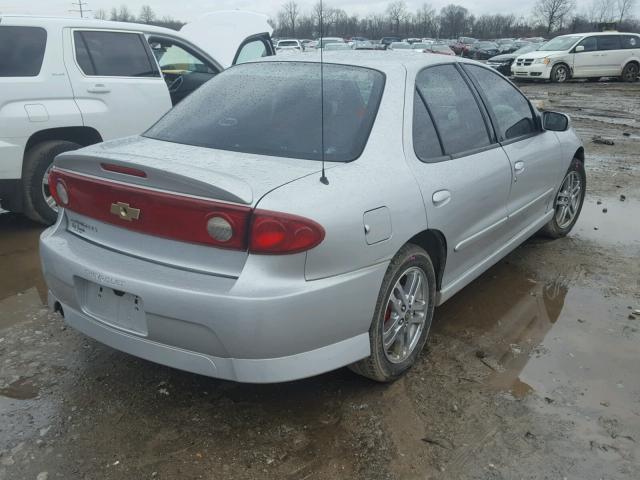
column 609, row 42
column 21, row 50
column 114, row 54
column 250, row 51
column 630, row 41
column 590, row 44
column 511, row 109
column 454, row 109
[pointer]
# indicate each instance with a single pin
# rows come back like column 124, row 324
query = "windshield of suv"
column 560, row 43
column 274, row 108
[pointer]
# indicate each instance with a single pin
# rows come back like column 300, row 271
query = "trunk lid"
column 192, row 174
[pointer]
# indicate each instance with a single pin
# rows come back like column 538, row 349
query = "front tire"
column 402, row 317
column 630, row 72
column 560, row 73
column 568, row 202
column 38, row 202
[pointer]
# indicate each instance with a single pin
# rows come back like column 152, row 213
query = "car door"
column 534, row 154
column 115, row 79
column 463, row 173
column 612, row 55
column 586, row 58
column 184, row 67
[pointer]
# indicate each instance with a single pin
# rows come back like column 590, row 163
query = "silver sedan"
column 276, row 225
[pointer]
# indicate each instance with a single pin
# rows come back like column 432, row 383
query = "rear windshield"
column 275, row 108
column 21, row 50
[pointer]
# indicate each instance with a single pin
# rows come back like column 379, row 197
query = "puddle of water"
column 619, row 225
column 22, row 288
column 568, row 344
column 21, row 389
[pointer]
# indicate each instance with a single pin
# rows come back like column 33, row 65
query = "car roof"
column 75, row 22
column 377, row 60
column 590, row 34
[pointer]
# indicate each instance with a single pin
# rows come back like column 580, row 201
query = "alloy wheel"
column 405, row 315
column 631, row 73
column 568, row 200
column 561, row 74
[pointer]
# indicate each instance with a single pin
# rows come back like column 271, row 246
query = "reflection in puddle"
column 22, row 287
column 21, row 389
column 507, row 315
column 618, row 225
column 571, row 345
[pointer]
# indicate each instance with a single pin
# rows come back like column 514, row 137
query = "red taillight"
column 185, row 218
column 279, row 233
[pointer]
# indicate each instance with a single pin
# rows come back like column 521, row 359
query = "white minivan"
column 584, row 55
column 67, row 83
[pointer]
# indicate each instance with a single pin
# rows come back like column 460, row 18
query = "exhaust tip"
column 57, row 308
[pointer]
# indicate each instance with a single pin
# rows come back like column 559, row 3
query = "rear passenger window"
column 114, row 54
column 454, row 109
column 511, row 109
column 425, row 138
column 609, row 42
column 630, row 41
column 21, row 51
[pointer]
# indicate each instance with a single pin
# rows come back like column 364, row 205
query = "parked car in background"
column 213, row 245
column 482, row 50
column 306, row 43
column 588, row 55
column 440, row 48
column 462, row 45
column 337, row 46
column 290, row 45
column 66, row 83
column 399, row 46
column 386, row 41
column 506, row 45
column 364, row 45
column 412, row 40
column 422, row 47
column 321, row 43
column 503, row 62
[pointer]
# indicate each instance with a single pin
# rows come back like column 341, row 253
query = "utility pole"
column 81, row 10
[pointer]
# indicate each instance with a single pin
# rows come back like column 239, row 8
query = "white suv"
column 585, row 55
column 68, row 83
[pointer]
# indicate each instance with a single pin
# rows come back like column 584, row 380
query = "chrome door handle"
column 441, row 197
column 99, row 88
column 518, row 167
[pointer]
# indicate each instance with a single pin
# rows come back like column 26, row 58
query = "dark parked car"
column 386, row 41
column 482, row 50
column 502, row 63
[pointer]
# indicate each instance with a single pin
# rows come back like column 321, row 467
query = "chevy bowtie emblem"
column 124, row 211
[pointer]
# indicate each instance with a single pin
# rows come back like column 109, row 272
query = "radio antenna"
column 323, row 179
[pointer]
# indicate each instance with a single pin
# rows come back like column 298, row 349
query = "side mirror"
column 580, row 48
column 555, row 122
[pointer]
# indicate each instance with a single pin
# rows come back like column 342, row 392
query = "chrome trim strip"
column 469, row 240
column 535, row 200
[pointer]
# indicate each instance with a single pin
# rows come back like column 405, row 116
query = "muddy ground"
column 532, row 372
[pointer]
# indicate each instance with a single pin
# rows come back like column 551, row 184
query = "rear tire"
column 37, row 162
column 560, row 225
column 630, row 72
column 560, row 73
column 415, row 313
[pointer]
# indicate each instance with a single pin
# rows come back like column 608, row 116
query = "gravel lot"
column 531, row 371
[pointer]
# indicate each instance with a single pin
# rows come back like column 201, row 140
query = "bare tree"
column 291, row 13
column 552, row 13
column 625, row 7
column 100, row 14
column 397, row 12
column 124, row 15
column 114, row 14
column 454, row 21
column 147, row 15
column 425, row 19
column 601, row 11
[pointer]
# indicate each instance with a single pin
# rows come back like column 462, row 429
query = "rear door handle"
column 99, row 88
column 441, row 197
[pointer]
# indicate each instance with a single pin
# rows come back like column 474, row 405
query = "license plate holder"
column 116, row 308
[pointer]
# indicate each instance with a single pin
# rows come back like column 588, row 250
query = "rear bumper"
column 235, row 329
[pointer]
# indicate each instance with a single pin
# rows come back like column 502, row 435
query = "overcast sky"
column 189, row 9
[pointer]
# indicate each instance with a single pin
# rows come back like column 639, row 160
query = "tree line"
column 548, row 18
